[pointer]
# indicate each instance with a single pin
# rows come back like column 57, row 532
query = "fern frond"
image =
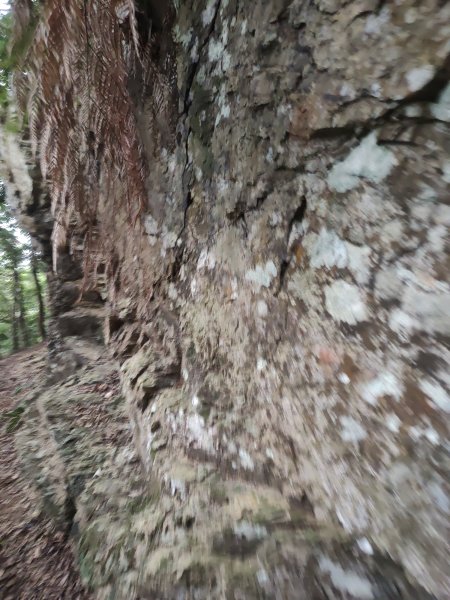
column 73, row 82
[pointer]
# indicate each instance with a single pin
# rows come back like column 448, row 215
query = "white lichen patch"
column 365, row 546
column 343, row 378
column 346, row 581
column 224, row 108
column 376, row 90
column 347, row 91
column 344, row 303
column 303, row 285
column 261, row 309
column 208, row 13
column 215, row 50
column 198, row 433
column 183, row 38
column 402, row 323
column 226, row 60
column 413, row 111
column 350, row 510
column 151, row 228
column 194, row 51
column 270, row 454
column 261, row 364
column 376, row 23
column 393, row 423
column 386, row 384
column 359, row 262
column 426, row 193
column 262, row 577
column 411, row 16
column 429, row 433
column 417, row 78
column 172, row 291
column 430, row 309
column 438, row 396
column 246, row 460
column 234, row 289
column 446, row 171
column 298, row 230
column 439, row 496
column 262, row 275
column 201, row 74
column 223, row 113
column 368, row 161
column 250, row 531
column 177, row 487
column 437, row 238
column 399, row 474
column 206, row 260
column 388, row 284
column 432, row 436
column 169, row 238
column 198, row 173
column 326, row 250
column 194, row 286
column 441, row 110
column 352, row 431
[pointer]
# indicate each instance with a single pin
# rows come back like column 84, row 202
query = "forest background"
column 22, row 271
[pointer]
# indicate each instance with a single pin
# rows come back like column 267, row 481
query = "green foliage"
column 16, row 273
column 5, row 60
column 13, row 418
column 22, row 279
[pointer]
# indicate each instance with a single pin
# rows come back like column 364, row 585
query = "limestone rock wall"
column 281, row 310
column 300, row 331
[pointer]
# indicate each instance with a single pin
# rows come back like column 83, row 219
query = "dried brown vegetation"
column 73, row 85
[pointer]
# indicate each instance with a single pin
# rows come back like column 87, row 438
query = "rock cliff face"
column 279, row 310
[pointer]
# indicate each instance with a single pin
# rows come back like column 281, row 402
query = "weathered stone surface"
column 311, row 294
column 85, row 323
column 281, row 312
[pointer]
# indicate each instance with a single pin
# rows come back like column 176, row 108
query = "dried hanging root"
column 73, row 85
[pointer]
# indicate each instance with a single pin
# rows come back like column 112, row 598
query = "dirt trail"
column 36, row 561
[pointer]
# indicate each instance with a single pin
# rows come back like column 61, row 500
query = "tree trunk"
column 14, row 319
column 34, row 269
column 22, row 314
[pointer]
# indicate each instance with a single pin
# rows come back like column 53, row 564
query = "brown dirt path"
column 36, row 561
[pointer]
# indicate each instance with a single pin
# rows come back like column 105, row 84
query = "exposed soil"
column 36, row 561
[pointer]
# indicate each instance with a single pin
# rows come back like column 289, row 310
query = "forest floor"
column 36, row 561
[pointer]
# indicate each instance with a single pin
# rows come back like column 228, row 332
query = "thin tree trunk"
column 34, row 270
column 22, row 319
column 14, row 321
